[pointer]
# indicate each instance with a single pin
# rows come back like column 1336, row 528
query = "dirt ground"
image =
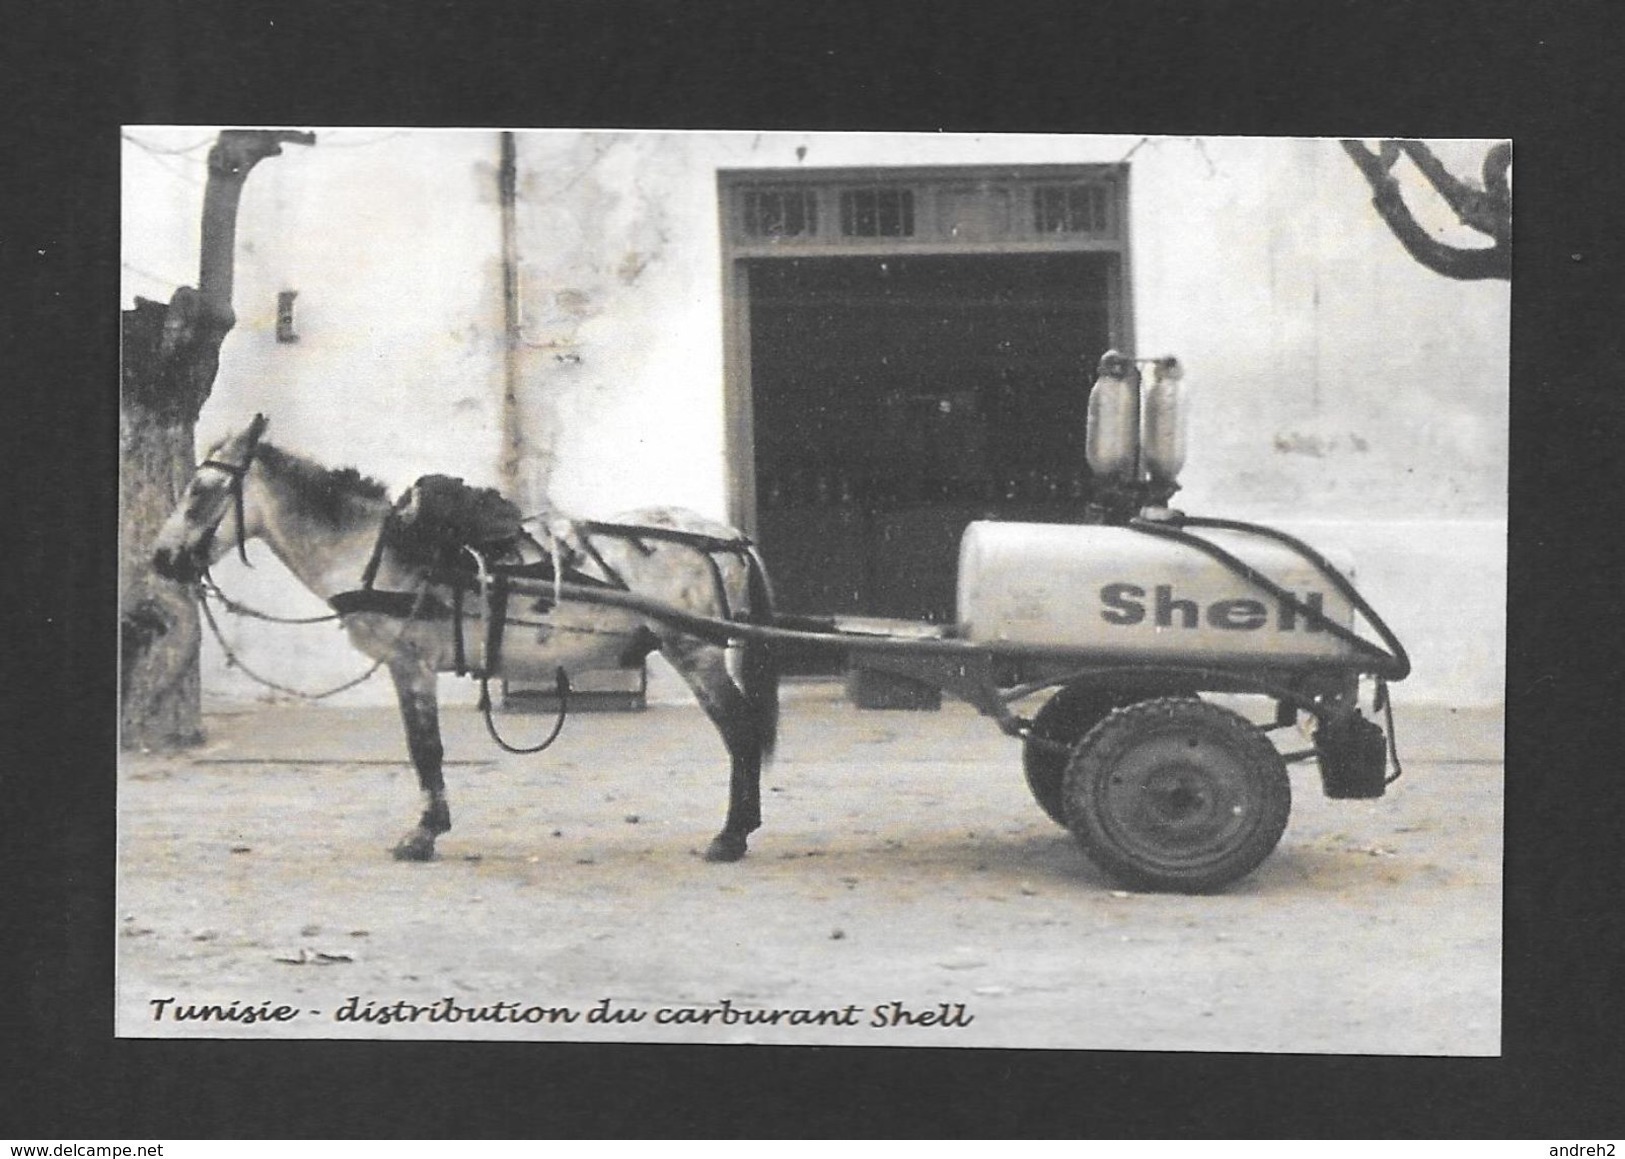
column 902, row 862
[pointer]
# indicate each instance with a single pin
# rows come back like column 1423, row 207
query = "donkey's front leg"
column 415, row 688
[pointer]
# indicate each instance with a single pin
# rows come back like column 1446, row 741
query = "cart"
column 1118, row 632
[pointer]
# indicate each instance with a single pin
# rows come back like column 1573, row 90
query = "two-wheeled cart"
column 1127, row 619
column 1127, row 626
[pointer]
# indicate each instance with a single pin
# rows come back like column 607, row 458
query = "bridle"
column 207, row 587
column 236, row 471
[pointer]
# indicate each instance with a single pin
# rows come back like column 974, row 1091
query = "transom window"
column 1069, row 209
column 877, row 212
column 781, row 212
column 951, row 209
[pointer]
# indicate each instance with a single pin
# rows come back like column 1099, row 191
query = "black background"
column 1540, row 74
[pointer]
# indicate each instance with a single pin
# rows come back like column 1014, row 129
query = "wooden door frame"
column 738, row 253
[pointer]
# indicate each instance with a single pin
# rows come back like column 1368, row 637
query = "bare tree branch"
column 1487, row 210
column 236, row 152
column 1480, row 209
column 1496, row 164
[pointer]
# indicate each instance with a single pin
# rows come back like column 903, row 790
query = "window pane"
column 877, row 212
column 776, row 213
column 1069, row 209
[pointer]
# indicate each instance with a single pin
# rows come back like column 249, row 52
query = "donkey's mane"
column 323, row 492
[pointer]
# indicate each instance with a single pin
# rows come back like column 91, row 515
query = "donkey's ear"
column 256, row 428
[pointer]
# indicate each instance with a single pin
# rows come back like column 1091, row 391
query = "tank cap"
column 1115, row 364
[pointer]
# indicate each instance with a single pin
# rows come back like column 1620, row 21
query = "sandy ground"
column 902, row 862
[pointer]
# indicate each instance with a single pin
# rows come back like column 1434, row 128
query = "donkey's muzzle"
column 175, row 565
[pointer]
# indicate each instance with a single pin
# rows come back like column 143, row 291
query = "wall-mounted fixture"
column 284, row 316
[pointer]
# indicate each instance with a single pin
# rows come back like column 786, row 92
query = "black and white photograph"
column 813, row 588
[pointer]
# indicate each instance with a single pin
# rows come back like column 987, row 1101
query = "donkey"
column 326, row 525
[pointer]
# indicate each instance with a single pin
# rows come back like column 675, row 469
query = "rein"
column 210, row 588
column 563, row 689
column 234, row 661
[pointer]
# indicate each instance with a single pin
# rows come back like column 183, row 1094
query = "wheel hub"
column 1176, row 795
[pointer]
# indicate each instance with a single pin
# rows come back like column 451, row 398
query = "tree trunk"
column 170, row 357
column 158, row 621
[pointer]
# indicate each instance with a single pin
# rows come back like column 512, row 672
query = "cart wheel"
column 1066, row 719
column 1177, row 795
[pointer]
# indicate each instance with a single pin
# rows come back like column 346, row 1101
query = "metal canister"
column 1163, row 443
column 1112, row 441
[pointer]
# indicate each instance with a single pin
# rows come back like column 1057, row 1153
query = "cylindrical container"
column 1112, row 441
column 1112, row 593
column 1163, row 445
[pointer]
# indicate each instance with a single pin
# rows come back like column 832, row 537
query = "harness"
column 236, row 471
column 464, row 540
column 471, row 542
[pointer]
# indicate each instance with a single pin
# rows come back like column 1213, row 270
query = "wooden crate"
column 611, row 690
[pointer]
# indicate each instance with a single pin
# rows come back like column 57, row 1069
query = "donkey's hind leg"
column 704, row 667
column 420, row 713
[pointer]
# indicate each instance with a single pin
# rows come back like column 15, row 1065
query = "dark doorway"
column 896, row 398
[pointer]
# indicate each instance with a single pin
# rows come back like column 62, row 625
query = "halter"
column 236, row 471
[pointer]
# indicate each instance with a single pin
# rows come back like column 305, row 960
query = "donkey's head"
column 211, row 517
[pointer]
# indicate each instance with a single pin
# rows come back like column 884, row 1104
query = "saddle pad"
column 439, row 515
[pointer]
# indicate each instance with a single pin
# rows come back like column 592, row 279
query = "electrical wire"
column 158, row 151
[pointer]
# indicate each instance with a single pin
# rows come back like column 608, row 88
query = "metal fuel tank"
column 1121, row 595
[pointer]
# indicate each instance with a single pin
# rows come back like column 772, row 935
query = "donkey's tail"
column 759, row 664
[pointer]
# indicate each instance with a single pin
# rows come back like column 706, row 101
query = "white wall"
column 1334, row 376
column 1338, row 385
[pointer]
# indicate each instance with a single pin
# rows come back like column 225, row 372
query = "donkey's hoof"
column 415, row 846
column 725, row 847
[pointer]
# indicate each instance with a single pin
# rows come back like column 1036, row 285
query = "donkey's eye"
column 198, row 504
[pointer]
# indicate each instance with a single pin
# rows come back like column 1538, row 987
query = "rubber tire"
column 1177, row 795
column 1066, row 718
